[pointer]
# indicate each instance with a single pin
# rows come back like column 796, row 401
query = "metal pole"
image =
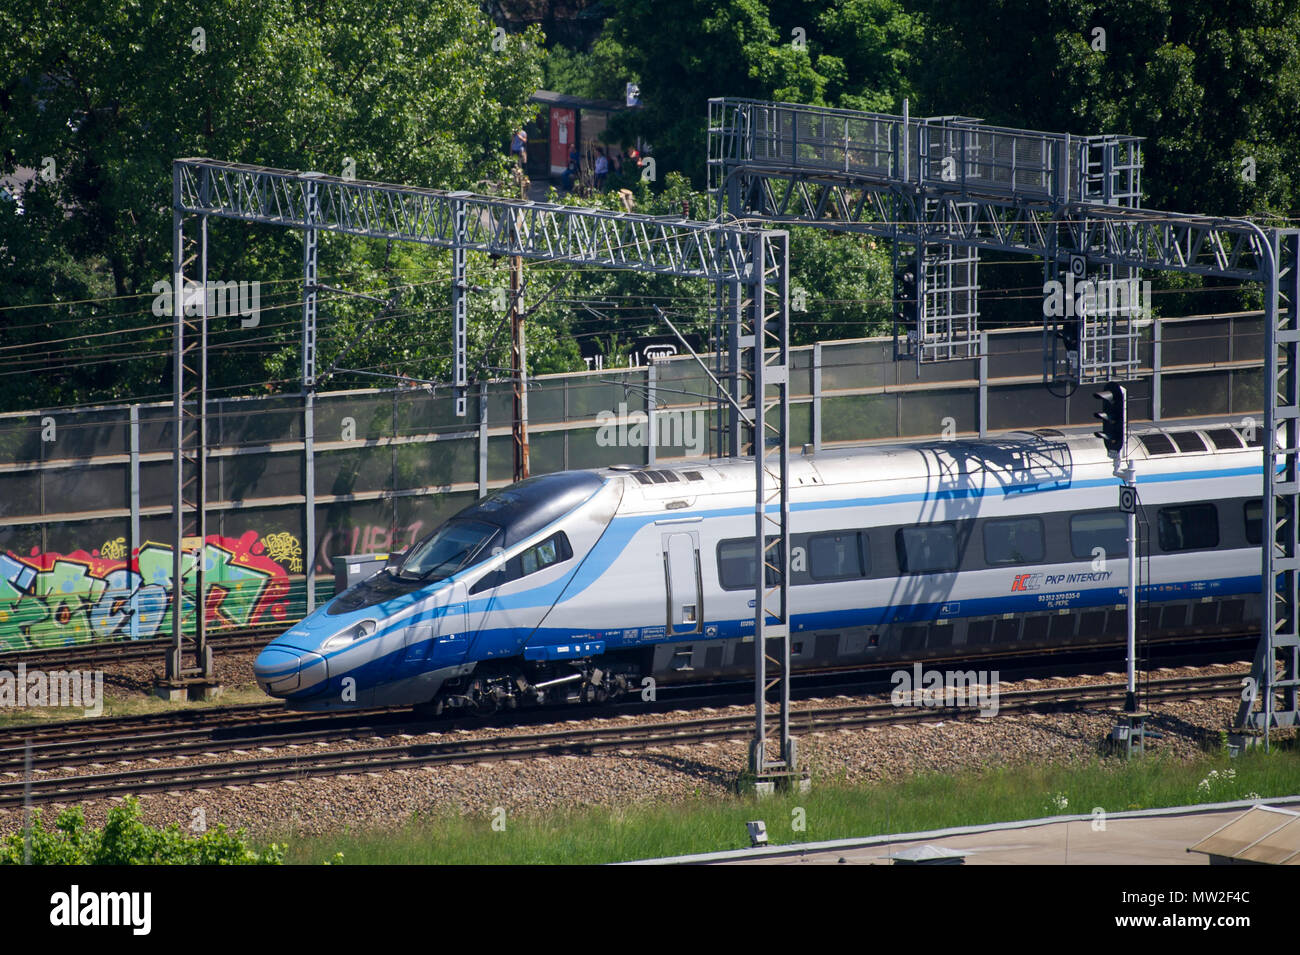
column 173, row 665
column 309, row 495
column 1288, row 640
column 519, row 367
column 1130, row 697
column 133, row 548
column 758, row 749
column 310, row 291
column 523, row 393
column 984, row 384
column 1279, row 357
column 771, row 603
column 310, row 243
column 728, row 356
column 735, row 423
column 779, row 375
column 651, row 398
column 459, row 305
column 817, row 397
column 906, row 120
column 202, row 652
column 1158, row 366
column 482, row 438
column 1274, row 371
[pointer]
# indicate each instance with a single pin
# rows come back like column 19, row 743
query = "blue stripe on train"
column 610, row 546
column 406, row 661
column 950, row 609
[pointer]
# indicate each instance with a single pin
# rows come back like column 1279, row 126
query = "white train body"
column 923, row 551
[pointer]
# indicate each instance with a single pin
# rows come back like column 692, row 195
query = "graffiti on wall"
column 52, row 599
column 365, row 539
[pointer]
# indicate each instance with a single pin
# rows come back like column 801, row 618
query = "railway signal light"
column 1113, row 417
column 1070, row 329
column 905, row 295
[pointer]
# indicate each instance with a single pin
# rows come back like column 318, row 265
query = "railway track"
column 123, row 651
column 254, row 638
column 199, row 762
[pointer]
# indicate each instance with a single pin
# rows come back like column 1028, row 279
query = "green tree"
column 105, row 98
column 601, row 73
column 1214, row 89
column 1207, row 84
column 853, row 54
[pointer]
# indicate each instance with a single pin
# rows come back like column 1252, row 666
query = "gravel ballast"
column 663, row 774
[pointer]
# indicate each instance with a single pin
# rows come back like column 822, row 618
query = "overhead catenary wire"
column 631, row 313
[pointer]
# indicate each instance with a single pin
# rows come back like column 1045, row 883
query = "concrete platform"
column 1153, row 837
column 1162, row 841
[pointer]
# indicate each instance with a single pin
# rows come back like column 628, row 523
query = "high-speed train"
column 581, row 584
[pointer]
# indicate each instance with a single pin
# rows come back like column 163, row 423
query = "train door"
column 519, row 597
column 442, row 639
column 683, row 582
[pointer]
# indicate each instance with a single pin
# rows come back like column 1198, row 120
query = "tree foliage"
column 106, row 97
column 99, row 101
column 1214, row 89
column 1207, row 84
column 854, row 54
column 127, row 840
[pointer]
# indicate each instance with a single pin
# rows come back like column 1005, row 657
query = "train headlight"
column 352, row 634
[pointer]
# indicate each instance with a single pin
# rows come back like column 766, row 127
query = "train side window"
column 554, row 550
column 736, row 564
column 1018, row 540
column 927, row 549
column 1105, row 529
column 1225, row 439
column 1188, row 441
column 1253, row 511
column 837, row 556
column 1188, row 527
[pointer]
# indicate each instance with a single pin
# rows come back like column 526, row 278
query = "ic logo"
column 1021, row 582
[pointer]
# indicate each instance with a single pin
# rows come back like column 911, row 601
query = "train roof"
column 524, row 508
column 1043, row 450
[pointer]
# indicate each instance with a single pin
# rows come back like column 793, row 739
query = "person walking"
column 519, row 147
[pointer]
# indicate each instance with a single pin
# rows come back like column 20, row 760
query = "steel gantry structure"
column 749, row 265
column 1074, row 201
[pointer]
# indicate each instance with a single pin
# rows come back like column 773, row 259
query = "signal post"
column 1131, row 727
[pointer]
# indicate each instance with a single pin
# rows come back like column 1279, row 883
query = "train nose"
column 281, row 671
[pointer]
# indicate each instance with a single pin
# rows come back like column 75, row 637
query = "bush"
column 126, row 840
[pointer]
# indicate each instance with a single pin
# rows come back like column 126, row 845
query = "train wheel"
column 480, row 697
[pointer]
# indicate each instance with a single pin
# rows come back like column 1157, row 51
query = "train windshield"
column 450, row 549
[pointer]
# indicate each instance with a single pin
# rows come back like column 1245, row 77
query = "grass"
column 834, row 809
